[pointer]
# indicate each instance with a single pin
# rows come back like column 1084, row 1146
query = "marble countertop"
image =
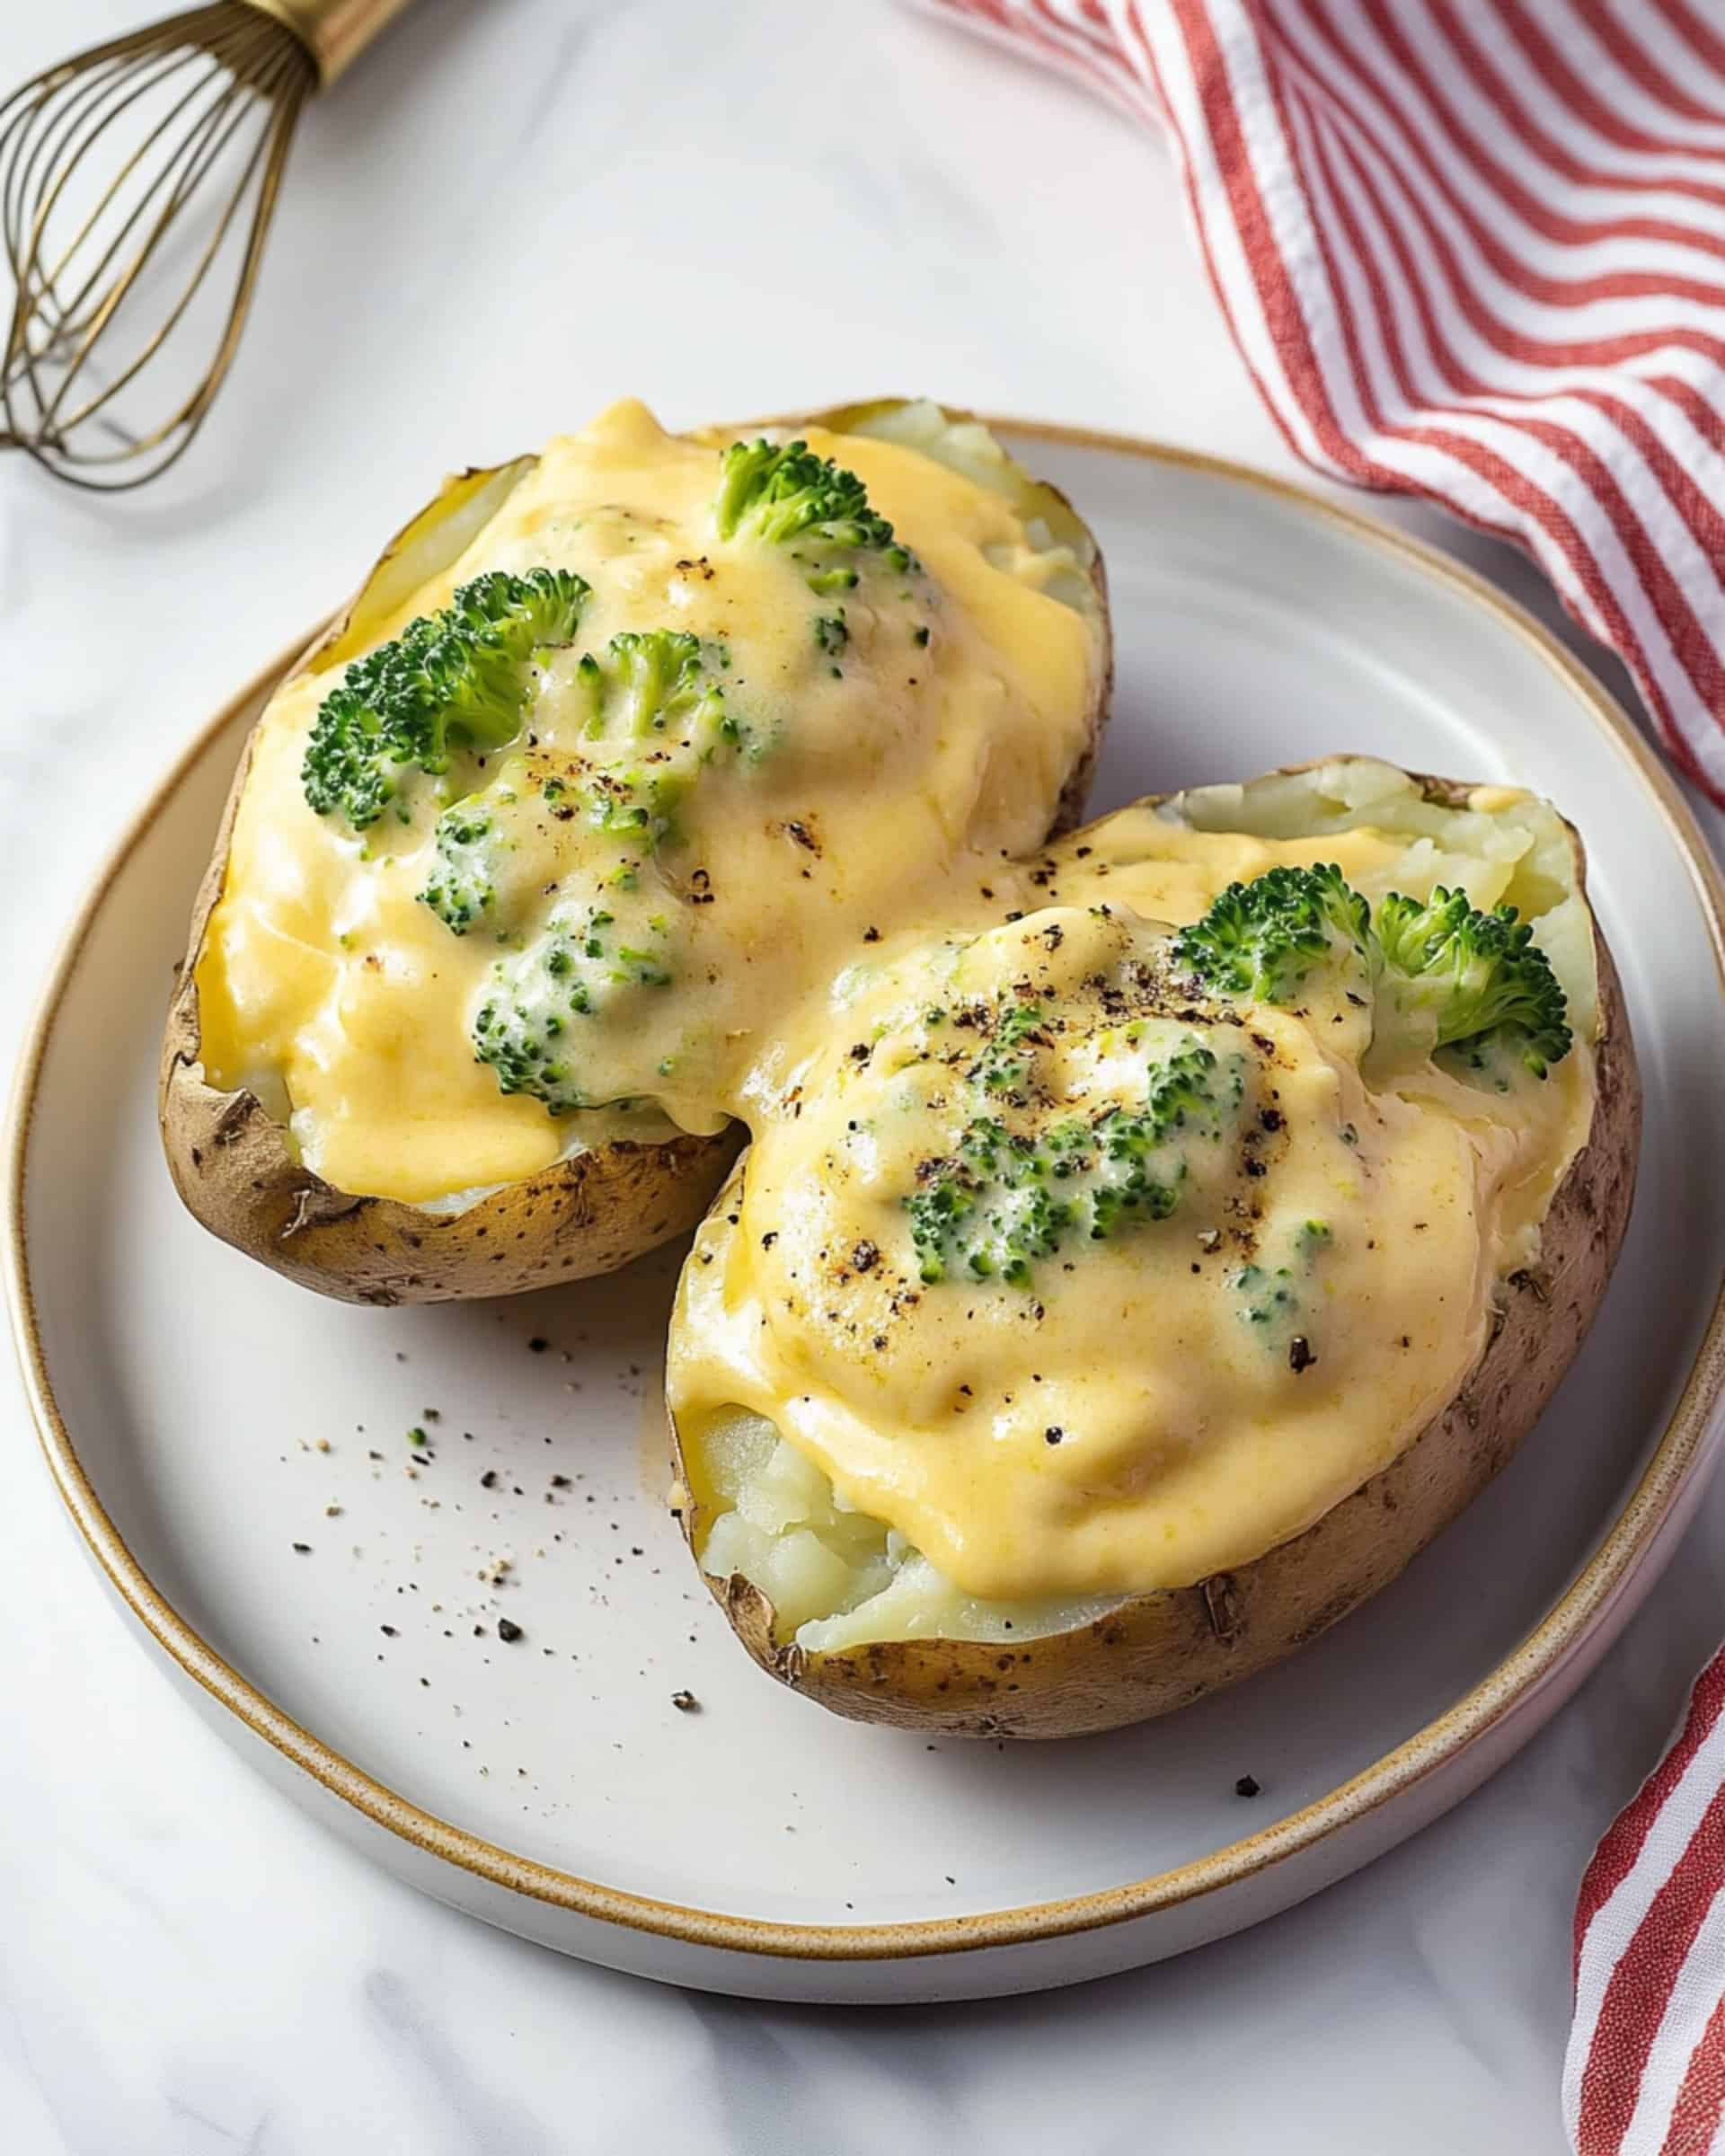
column 516, row 210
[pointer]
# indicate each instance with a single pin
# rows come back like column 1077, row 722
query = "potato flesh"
column 835, row 1577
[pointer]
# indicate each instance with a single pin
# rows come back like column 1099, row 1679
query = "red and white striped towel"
column 1645, row 2074
column 1472, row 250
column 1475, row 250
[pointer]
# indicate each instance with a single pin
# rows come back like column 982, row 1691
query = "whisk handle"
column 335, row 32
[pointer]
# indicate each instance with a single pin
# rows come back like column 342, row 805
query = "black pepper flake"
column 685, row 1703
column 488, row 1481
column 1053, row 1434
column 1300, row 1356
column 560, row 1481
column 303, row 1549
column 538, row 1344
column 870, row 935
column 509, row 1631
column 865, row 1256
column 389, row 1631
column 1247, row 1786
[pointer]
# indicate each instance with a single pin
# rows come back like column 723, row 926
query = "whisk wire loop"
column 103, row 159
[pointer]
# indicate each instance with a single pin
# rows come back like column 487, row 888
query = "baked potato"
column 618, row 750
column 1128, row 1282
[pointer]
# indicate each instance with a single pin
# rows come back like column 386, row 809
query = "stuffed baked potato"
column 617, row 749
column 1102, row 1310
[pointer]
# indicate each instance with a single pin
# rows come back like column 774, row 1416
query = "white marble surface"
column 515, row 211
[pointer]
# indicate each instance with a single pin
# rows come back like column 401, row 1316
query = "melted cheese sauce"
column 1140, row 1414
column 323, row 973
column 1141, row 1410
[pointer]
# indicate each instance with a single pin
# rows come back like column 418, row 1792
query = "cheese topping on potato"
column 1073, row 1280
column 716, row 720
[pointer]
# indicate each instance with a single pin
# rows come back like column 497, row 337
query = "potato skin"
column 1156, row 1652
column 1075, row 795
column 236, row 1173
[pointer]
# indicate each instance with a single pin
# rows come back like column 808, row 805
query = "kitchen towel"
column 1475, row 250
column 1645, row 2074
column 1472, row 250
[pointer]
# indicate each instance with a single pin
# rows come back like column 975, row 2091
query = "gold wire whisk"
column 138, row 182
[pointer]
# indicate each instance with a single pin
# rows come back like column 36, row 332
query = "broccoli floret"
column 1479, row 979
column 655, row 682
column 458, row 679
column 1439, row 972
column 577, row 970
column 1004, row 1063
column 463, row 883
column 813, row 508
column 1260, row 940
column 1275, row 1300
column 1005, row 1198
column 656, row 687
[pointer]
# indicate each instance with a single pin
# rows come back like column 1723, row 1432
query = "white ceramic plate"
column 204, row 1418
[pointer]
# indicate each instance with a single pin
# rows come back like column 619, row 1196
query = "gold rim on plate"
column 1595, row 1588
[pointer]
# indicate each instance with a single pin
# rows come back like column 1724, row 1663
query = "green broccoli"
column 1260, row 940
column 459, row 679
column 658, row 687
column 1004, row 1199
column 1440, row 973
column 816, row 510
column 654, row 682
column 469, row 842
column 1478, row 978
column 1274, row 1301
column 578, row 969
column 1004, row 1064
